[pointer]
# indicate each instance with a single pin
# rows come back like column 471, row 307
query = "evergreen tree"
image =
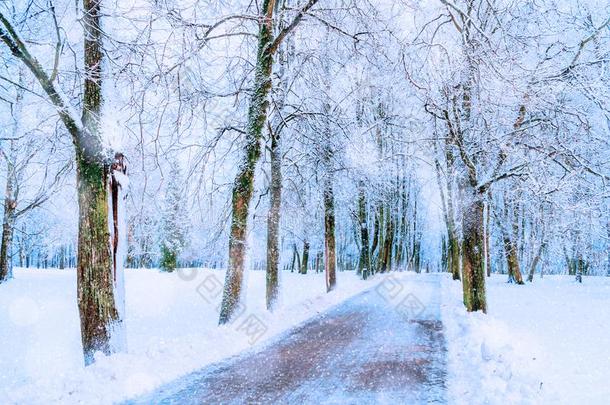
column 174, row 226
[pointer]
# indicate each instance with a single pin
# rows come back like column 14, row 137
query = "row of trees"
column 465, row 136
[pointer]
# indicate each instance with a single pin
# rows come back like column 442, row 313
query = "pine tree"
column 174, row 222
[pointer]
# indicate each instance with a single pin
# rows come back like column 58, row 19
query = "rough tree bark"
column 512, row 261
column 273, row 221
column 99, row 305
column 472, row 210
column 275, row 188
column 512, row 258
column 244, row 181
column 11, row 191
column 330, row 262
column 473, row 272
column 99, row 267
column 96, row 270
column 8, row 223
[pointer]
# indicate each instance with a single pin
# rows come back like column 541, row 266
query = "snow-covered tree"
column 174, row 220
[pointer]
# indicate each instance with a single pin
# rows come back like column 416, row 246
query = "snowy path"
column 385, row 345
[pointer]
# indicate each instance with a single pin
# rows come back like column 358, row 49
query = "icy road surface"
column 384, row 346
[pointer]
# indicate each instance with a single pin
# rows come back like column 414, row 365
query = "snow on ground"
column 171, row 330
column 541, row 343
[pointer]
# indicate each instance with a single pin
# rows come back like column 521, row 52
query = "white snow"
column 171, row 322
column 541, row 343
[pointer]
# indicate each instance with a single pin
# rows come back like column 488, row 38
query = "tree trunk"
column 487, row 238
column 296, row 260
column 8, row 223
column 99, row 267
column 473, row 272
column 329, row 234
column 9, row 217
column 244, row 181
column 386, row 259
column 364, row 264
column 444, row 254
column 453, row 239
column 512, row 261
column 305, row 263
column 95, row 276
column 62, row 257
column 100, row 262
column 510, row 245
column 454, row 254
column 21, row 253
column 416, row 241
column 530, row 276
column 273, row 221
column 452, row 249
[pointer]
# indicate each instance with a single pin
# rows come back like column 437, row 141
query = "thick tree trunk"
column 96, row 301
column 244, row 181
column 329, row 234
column 473, row 272
column 100, row 262
column 273, row 221
column 364, row 264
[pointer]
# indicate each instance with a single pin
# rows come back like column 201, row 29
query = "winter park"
column 305, row 202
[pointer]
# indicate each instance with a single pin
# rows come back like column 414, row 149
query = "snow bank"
column 171, row 323
column 541, row 343
column 487, row 362
column 570, row 324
